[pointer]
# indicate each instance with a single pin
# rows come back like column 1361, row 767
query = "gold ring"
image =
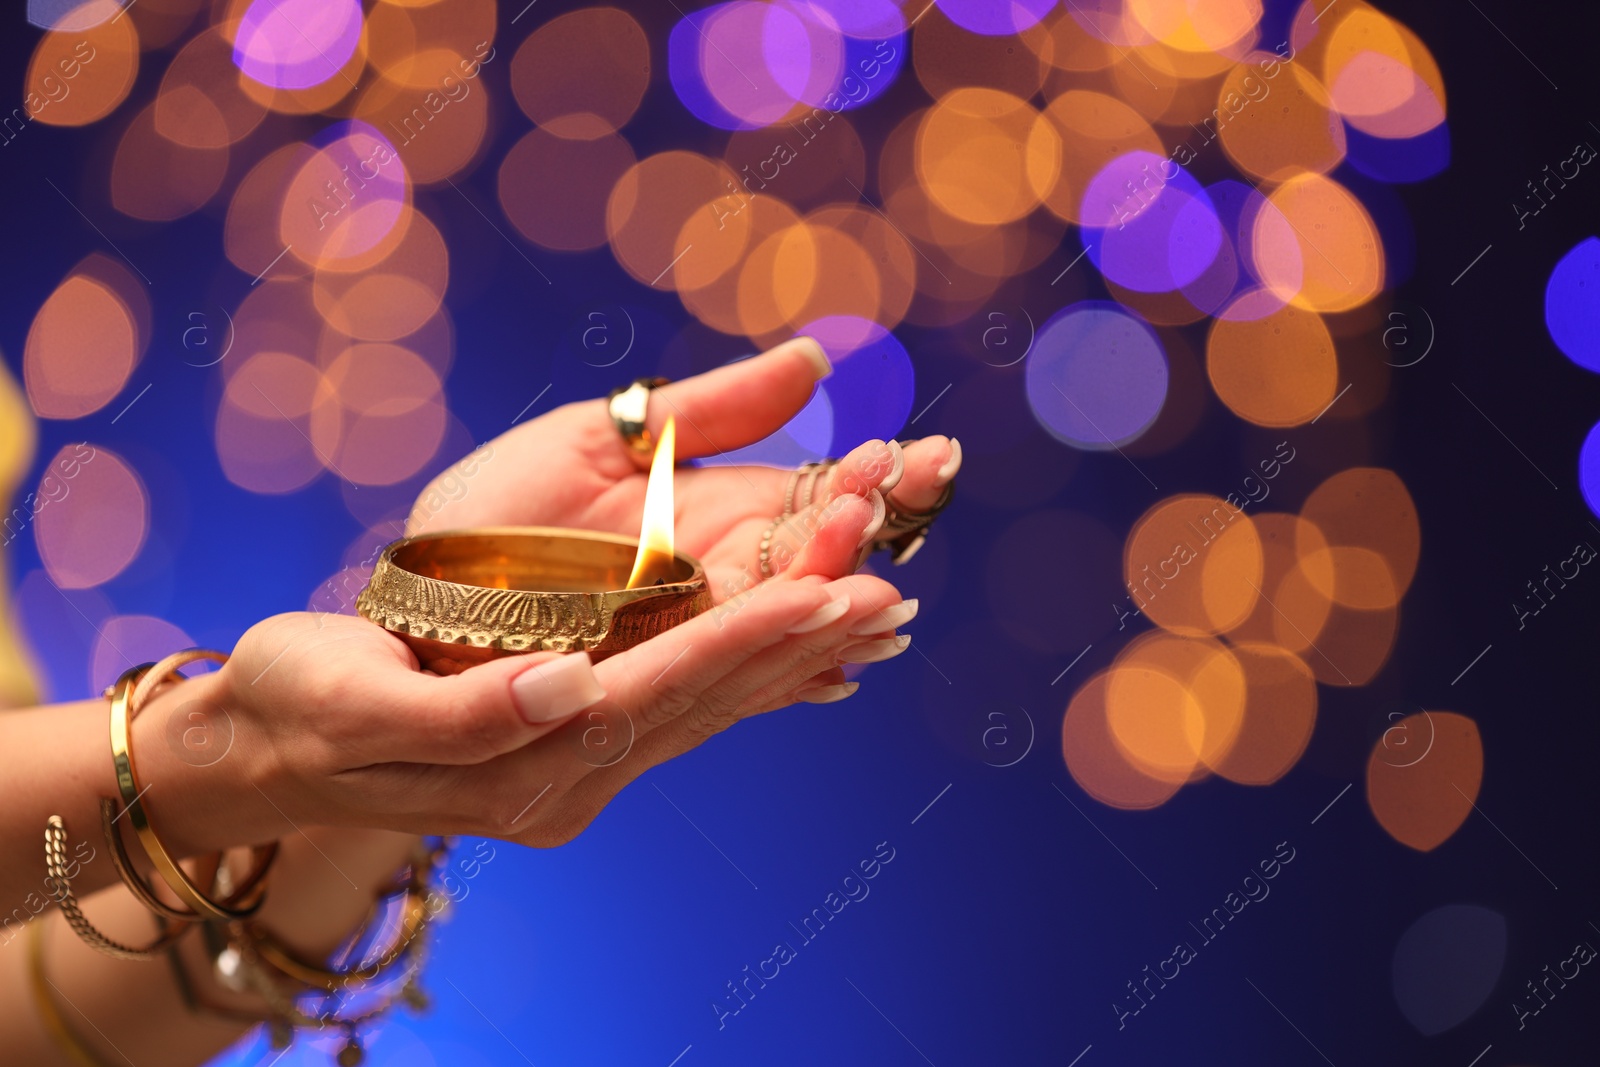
column 903, row 533
column 628, row 406
column 814, row 472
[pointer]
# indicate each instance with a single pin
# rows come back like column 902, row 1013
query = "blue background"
column 1016, row 907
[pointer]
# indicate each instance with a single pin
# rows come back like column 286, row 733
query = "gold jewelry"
column 766, row 546
column 55, row 862
column 210, row 867
column 818, row 472
column 628, row 405
column 813, row 472
column 67, row 1039
column 128, row 696
column 413, row 918
column 903, row 533
column 256, row 960
column 283, row 1016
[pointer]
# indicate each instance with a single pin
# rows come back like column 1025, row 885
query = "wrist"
column 194, row 768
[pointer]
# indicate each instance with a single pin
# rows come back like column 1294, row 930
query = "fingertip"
column 931, row 464
column 951, row 465
column 897, row 467
column 827, row 694
column 812, row 350
column 835, row 609
column 886, row 620
column 880, row 514
column 855, row 520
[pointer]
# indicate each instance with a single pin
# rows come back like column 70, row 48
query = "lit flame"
column 654, row 563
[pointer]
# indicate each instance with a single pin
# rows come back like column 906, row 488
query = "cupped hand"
column 571, row 468
column 333, row 723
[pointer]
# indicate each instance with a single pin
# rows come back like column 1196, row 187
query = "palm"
column 571, row 468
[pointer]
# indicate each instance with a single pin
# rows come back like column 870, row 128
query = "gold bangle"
column 55, row 857
column 282, row 959
column 413, row 919
column 285, row 1011
column 130, row 878
column 127, row 697
column 61, row 1032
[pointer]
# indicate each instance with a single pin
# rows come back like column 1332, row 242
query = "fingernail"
column 813, row 352
column 827, row 694
column 942, row 476
column 830, row 612
column 880, row 512
column 896, row 472
column 876, row 651
column 556, row 688
column 890, row 618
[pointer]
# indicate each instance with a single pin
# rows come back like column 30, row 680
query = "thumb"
column 740, row 403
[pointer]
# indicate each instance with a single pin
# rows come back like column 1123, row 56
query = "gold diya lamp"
column 460, row 598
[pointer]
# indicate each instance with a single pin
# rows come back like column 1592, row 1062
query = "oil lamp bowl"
column 463, row 597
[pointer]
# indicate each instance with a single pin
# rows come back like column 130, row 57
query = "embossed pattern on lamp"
column 461, row 598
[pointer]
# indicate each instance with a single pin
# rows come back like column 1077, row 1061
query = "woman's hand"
column 571, row 468
column 333, row 724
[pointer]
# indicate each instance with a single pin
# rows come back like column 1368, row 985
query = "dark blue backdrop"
column 1015, row 909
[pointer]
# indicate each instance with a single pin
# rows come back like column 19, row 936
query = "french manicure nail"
column 827, row 694
column 812, row 350
column 890, row 618
column 556, row 689
column 897, row 471
column 942, row 476
column 876, row 651
column 831, row 612
column 880, row 512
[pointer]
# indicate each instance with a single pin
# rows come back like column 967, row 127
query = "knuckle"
column 554, row 831
column 506, row 810
column 669, row 699
column 468, row 727
column 705, row 722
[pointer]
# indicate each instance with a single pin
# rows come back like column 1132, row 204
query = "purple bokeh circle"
column 743, row 65
column 1097, row 376
column 1589, row 469
column 864, row 19
column 1148, row 225
column 1572, row 304
column 996, row 18
column 296, row 44
column 867, row 395
column 872, row 384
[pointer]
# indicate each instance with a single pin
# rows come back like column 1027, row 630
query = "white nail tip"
column 890, row 618
column 830, row 612
column 876, row 651
column 812, row 350
column 828, row 694
column 896, row 472
column 943, row 475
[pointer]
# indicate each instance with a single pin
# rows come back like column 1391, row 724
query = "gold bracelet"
column 55, row 862
column 141, row 890
column 61, row 1032
column 284, row 1016
column 283, row 978
column 413, row 917
column 127, row 698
